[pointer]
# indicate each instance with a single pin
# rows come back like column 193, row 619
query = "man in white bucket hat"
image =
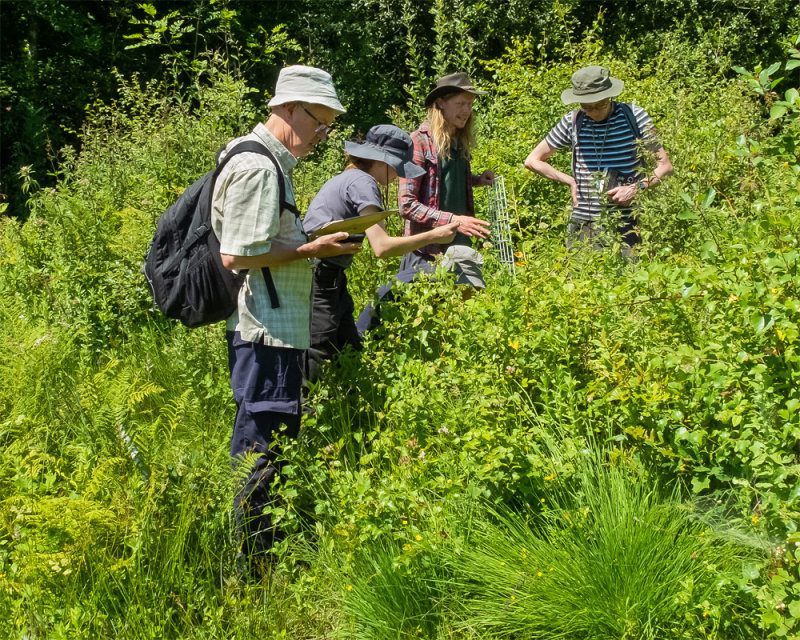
column 259, row 230
column 607, row 160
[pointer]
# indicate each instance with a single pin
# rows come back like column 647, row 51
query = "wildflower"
column 417, row 537
column 754, row 519
column 405, row 521
column 511, row 370
column 705, row 614
column 514, row 344
column 406, row 547
column 540, row 574
column 349, row 587
column 444, row 430
column 502, row 564
column 550, row 477
column 513, row 597
column 543, row 501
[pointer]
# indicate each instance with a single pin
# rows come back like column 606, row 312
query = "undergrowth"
column 455, row 458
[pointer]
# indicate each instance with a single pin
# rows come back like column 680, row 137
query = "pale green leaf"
column 777, row 111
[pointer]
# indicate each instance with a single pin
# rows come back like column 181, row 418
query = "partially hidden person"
column 259, row 229
column 442, row 194
column 609, row 142
column 385, row 154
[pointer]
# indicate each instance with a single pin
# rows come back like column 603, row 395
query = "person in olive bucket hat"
column 608, row 160
column 385, row 155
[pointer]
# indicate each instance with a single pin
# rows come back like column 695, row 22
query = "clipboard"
column 357, row 224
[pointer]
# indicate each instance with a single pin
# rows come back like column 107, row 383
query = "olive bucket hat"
column 592, row 84
column 453, row 83
column 389, row 144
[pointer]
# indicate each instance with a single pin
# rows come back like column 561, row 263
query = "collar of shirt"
column 281, row 153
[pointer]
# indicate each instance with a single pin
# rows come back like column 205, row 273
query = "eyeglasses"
column 323, row 129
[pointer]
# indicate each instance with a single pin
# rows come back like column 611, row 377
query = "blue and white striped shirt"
column 610, row 144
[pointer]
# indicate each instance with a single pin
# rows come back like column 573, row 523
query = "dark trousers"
column 411, row 265
column 266, row 388
column 597, row 236
column 332, row 324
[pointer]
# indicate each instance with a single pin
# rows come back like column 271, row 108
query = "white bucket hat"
column 299, row 83
column 466, row 263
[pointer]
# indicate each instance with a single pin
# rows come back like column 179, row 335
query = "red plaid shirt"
column 419, row 198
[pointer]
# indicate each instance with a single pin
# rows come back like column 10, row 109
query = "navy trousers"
column 266, row 385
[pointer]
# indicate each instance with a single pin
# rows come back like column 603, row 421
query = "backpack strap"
column 577, row 121
column 627, row 111
column 251, row 146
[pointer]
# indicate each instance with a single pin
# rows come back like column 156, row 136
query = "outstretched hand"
column 444, row 234
column 471, row 226
column 486, row 179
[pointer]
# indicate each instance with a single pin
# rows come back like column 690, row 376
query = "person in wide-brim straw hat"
column 385, row 154
column 608, row 160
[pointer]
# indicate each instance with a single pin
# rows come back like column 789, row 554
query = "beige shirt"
column 246, row 218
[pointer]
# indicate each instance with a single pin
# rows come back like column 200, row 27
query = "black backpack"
column 183, row 266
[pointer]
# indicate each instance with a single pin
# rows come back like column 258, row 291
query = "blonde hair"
column 443, row 140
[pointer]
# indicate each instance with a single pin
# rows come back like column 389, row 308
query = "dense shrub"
column 455, row 427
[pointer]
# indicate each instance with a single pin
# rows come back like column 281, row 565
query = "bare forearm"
column 663, row 169
column 278, row 256
column 281, row 254
column 389, row 246
column 547, row 170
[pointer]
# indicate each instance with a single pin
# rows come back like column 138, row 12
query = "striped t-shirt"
column 610, row 144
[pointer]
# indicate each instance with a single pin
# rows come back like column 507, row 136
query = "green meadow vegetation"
column 592, row 449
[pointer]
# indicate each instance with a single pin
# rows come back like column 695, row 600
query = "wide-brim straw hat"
column 299, row 83
column 592, row 84
column 389, row 144
column 453, row 83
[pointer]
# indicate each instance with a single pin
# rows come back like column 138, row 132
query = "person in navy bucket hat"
column 385, row 154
